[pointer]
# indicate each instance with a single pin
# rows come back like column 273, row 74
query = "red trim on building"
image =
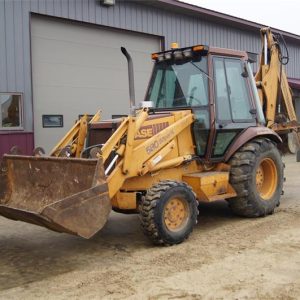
column 24, row 140
column 294, row 83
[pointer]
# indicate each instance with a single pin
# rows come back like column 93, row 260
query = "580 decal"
column 161, row 140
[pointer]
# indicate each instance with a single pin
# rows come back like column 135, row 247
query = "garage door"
column 80, row 69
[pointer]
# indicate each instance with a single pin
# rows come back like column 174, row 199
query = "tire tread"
column 242, row 168
column 148, row 205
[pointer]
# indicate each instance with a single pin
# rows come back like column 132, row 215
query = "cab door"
column 233, row 105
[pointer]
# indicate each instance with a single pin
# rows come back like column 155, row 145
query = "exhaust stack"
column 130, row 79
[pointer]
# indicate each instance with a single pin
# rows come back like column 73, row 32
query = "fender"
column 249, row 134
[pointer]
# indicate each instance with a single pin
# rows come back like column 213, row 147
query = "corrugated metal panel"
column 15, row 67
column 3, row 74
column 10, row 45
column 27, row 92
column 18, row 42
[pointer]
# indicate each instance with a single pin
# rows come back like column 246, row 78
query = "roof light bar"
column 198, row 48
column 179, row 53
column 174, row 46
column 154, row 56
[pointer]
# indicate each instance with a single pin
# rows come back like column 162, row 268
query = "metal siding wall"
column 15, row 62
column 18, row 42
column 28, row 113
column 10, row 46
column 3, row 74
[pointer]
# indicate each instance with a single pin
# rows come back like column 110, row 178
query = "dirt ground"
column 226, row 257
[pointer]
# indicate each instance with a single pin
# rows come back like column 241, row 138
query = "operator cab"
column 216, row 84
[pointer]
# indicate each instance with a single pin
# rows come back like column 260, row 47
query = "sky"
column 279, row 14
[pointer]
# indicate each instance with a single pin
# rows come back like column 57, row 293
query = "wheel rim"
column 176, row 214
column 266, row 178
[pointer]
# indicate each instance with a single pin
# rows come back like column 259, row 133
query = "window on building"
column 11, row 111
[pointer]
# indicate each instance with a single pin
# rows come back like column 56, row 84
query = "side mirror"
column 252, row 57
column 245, row 73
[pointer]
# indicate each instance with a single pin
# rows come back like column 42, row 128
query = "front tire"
column 168, row 212
column 257, row 177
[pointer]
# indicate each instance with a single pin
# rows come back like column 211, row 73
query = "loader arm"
column 145, row 157
column 74, row 138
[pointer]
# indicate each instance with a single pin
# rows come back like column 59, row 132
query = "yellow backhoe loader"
column 200, row 135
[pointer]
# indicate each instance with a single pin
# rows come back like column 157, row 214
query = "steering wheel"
column 178, row 101
column 193, row 99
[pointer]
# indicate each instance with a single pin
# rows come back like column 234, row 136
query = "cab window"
column 231, row 91
column 179, row 84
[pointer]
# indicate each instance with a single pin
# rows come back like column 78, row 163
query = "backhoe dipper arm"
column 273, row 85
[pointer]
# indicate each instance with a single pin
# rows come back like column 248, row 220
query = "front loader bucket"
column 62, row 194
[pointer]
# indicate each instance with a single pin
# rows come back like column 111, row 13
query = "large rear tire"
column 168, row 212
column 257, row 177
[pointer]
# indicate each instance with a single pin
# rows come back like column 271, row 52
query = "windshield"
column 181, row 84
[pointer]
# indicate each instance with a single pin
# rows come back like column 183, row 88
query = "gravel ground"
column 226, row 257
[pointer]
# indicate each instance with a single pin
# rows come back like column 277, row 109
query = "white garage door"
column 80, row 69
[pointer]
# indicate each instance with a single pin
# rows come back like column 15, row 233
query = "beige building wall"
column 79, row 69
